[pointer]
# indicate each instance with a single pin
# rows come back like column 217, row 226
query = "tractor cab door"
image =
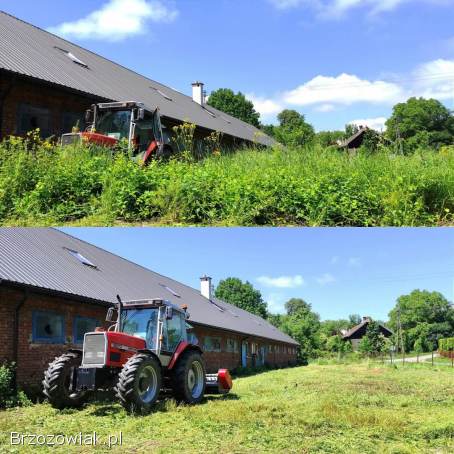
column 157, row 130
column 173, row 332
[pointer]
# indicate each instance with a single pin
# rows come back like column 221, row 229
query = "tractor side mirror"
column 88, row 116
column 141, row 114
column 110, row 317
column 169, row 313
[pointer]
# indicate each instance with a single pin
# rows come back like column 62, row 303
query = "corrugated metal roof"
column 39, row 257
column 31, row 51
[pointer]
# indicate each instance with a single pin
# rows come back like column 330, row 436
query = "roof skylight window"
column 209, row 112
column 173, row 292
column 219, row 308
column 164, row 95
column 81, row 258
column 72, row 57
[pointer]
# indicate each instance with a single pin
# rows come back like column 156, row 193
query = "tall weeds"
column 313, row 186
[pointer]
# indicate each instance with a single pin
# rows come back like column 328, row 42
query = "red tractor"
column 110, row 122
column 147, row 349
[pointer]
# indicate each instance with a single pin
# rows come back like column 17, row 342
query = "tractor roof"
column 49, row 260
column 31, row 51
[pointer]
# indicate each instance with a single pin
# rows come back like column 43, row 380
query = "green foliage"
column 241, row 294
column 293, row 130
column 424, row 316
column 234, row 104
column 329, row 138
column 44, row 184
column 373, row 342
column 301, row 324
column 9, row 397
column 446, row 344
column 420, row 123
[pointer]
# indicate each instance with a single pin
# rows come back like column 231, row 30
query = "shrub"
column 44, row 184
column 446, row 344
column 9, row 397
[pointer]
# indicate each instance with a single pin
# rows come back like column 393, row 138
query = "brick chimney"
column 205, row 287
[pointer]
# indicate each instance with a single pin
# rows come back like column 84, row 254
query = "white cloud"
column 282, row 281
column 325, row 108
column 377, row 123
column 276, row 303
column 334, row 259
column 326, row 279
column 338, row 8
column 345, row 89
column 354, row 261
column 286, row 4
column 117, row 20
column 264, row 106
column 435, row 79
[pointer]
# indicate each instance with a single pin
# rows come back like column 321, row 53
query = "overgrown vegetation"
column 352, row 408
column 43, row 184
column 9, row 395
column 446, row 345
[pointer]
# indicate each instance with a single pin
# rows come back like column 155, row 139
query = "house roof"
column 31, row 51
column 44, row 258
column 358, row 328
column 354, row 140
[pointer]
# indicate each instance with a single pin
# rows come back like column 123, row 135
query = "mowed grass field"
column 355, row 408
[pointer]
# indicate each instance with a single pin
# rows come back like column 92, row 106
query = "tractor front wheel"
column 139, row 383
column 188, row 380
column 59, row 381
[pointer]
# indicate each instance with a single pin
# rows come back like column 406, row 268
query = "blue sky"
column 339, row 271
column 336, row 61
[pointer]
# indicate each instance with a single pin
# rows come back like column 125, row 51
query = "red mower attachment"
column 220, row 383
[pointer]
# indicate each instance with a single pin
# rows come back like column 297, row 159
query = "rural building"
column 354, row 141
column 355, row 334
column 54, row 288
column 47, row 82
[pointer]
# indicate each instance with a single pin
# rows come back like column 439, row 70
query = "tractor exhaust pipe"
column 120, row 308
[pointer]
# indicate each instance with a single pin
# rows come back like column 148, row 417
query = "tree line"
column 416, row 123
column 418, row 321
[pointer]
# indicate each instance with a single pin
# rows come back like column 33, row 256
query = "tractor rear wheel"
column 188, row 378
column 139, row 383
column 59, row 380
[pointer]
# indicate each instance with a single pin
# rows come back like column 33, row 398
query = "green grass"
column 355, row 408
column 309, row 186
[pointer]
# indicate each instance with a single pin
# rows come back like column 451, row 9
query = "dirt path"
column 414, row 359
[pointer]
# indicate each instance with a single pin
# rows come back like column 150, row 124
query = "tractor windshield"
column 114, row 123
column 141, row 323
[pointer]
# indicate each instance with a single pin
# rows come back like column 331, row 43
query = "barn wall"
column 17, row 91
column 33, row 357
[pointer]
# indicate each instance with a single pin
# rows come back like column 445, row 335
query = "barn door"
column 244, row 354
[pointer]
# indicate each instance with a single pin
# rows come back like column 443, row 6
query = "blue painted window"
column 48, row 327
column 82, row 325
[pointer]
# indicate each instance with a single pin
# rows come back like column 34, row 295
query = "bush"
column 44, row 184
column 446, row 344
column 9, row 397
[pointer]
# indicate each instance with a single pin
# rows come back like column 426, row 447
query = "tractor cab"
column 161, row 324
column 112, row 122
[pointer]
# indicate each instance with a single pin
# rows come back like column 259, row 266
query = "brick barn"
column 55, row 287
column 48, row 83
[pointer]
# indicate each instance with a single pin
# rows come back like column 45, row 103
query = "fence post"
column 432, row 357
